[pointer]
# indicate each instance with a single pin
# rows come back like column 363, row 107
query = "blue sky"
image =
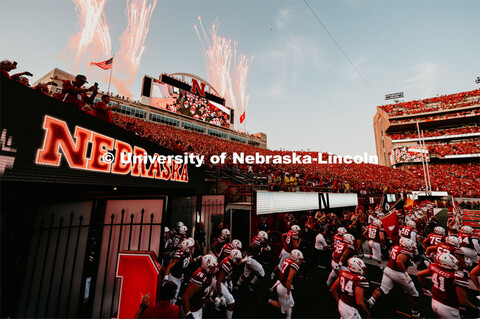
column 304, row 94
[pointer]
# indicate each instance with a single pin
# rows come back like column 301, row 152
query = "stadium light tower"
column 394, row 96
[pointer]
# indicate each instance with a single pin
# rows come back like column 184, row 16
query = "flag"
column 105, row 65
column 409, row 201
column 391, row 225
column 242, row 117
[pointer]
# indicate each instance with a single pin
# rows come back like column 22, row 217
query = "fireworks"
column 93, row 42
column 94, row 31
column 229, row 80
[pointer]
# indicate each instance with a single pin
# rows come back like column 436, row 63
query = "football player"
column 223, row 239
column 449, row 287
column 396, row 273
column 376, row 238
column 435, row 238
column 223, row 276
column 283, row 285
column 469, row 243
column 290, row 241
column 352, row 285
column 198, row 290
column 227, row 248
column 452, row 246
column 252, row 265
column 180, row 261
column 341, row 254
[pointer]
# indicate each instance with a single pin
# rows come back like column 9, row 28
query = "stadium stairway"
column 472, row 218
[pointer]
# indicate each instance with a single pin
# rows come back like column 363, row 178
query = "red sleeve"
column 67, row 85
column 4, row 73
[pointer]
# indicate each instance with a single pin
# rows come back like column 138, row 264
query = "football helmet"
column 408, row 244
column 412, row 224
column 447, row 261
column 187, row 245
column 341, row 231
column 263, row 236
column 237, row 244
column 439, row 230
column 452, row 241
column 466, row 230
column 356, row 265
column 349, row 239
column 225, row 233
column 209, row 263
column 296, row 255
column 180, row 224
column 183, row 230
column 235, row 256
column 295, row 229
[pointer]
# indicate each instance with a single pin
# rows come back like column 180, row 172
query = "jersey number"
column 438, row 282
column 348, row 286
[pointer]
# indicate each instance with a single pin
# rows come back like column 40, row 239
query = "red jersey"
column 337, row 239
column 373, row 233
column 396, row 251
column 435, row 239
column 257, row 245
column 177, row 239
column 444, row 285
column 227, row 266
column 162, row 310
column 183, row 262
column 406, row 232
column 348, row 282
column 288, row 239
column 72, row 98
column 225, row 251
column 443, row 248
column 204, row 280
column 4, row 73
column 466, row 240
column 340, row 250
column 222, row 240
column 102, row 114
column 287, row 266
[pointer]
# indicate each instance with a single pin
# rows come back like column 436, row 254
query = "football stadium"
column 133, row 190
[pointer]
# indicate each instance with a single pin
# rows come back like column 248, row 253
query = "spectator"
column 6, row 66
column 163, row 309
column 102, row 109
column 74, row 94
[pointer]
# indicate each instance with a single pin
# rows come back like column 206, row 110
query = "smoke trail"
column 94, row 34
column 229, row 80
column 132, row 42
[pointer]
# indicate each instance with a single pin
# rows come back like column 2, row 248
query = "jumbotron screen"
column 406, row 154
column 177, row 97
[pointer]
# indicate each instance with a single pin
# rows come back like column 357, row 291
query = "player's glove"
column 246, row 260
column 407, row 277
column 427, row 292
column 198, row 258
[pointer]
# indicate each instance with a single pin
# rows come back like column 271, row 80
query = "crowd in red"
column 443, row 102
column 464, row 147
column 459, row 180
column 439, row 132
column 438, row 116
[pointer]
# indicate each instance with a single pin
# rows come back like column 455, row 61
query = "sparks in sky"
column 230, row 80
column 132, row 43
column 94, row 34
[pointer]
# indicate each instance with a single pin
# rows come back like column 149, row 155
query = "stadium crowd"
column 433, row 133
column 443, row 102
column 464, row 147
column 436, row 117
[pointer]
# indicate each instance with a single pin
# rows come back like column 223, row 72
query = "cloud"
column 283, row 18
column 426, row 76
column 288, row 57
